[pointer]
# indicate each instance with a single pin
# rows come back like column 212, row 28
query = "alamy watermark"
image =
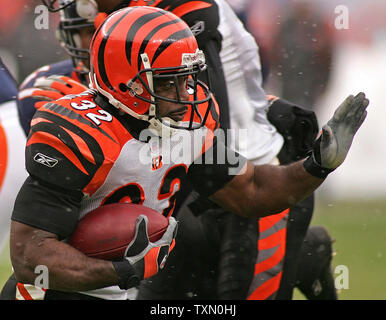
column 42, row 280
column 342, row 18
column 342, row 278
column 41, row 21
column 196, row 146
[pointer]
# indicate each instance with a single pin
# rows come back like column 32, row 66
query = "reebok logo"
column 45, row 160
column 198, row 28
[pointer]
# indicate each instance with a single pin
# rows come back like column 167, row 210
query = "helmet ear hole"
column 123, row 87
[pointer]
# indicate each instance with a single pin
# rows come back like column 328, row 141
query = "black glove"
column 298, row 126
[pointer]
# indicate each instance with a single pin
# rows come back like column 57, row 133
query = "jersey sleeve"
column 47, row 208
column 66, row 158
column 217, row 166
column 201, row 16
column 58, row 152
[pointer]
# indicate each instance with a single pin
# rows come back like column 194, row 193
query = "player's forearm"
column 68, row 269
column 266, row 189
column 280, row 187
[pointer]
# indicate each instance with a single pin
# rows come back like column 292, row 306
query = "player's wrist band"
column 314, row 169
column 127, row 277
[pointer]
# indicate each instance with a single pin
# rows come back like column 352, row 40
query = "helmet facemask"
column 87, row 9
column 68, row 33
column 148, row 79
column 54, row 7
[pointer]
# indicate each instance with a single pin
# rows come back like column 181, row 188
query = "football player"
column 74, row 33
column 259, row 150
column 144, row 70
column 204, row 19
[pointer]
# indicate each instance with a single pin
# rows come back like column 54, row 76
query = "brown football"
column 105, row 232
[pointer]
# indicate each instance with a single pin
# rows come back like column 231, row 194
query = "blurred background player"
column 12, row 141
column 69, row 23
column 74, row 34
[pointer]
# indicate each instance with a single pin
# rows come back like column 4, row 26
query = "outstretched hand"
column 332, row 146
column 338, row 133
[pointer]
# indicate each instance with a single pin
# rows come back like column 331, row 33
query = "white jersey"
column 247, row 99
column 12, row 167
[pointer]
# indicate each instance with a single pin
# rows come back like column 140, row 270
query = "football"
column 105, row 232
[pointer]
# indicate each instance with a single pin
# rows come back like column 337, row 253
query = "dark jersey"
column 8, row 87
column 26, row 103
column 201, row 15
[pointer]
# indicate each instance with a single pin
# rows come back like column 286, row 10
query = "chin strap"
column 149, row 76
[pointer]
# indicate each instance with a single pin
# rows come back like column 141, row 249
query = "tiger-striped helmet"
column 136, row 47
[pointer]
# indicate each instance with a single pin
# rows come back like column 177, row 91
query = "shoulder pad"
column 77, row 136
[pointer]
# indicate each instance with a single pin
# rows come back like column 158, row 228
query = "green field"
column 359, row 229
column 5, row 266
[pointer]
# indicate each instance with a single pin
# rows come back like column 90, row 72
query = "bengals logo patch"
column 156, row 163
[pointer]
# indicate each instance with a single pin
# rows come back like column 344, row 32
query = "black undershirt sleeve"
column 47, row 208
column 215, row 168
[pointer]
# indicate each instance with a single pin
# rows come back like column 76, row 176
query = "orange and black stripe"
column 141, row 28
column 102, row 48
column 3, row 154
column 65, row 135
column 179, row 8
column 269, row 264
